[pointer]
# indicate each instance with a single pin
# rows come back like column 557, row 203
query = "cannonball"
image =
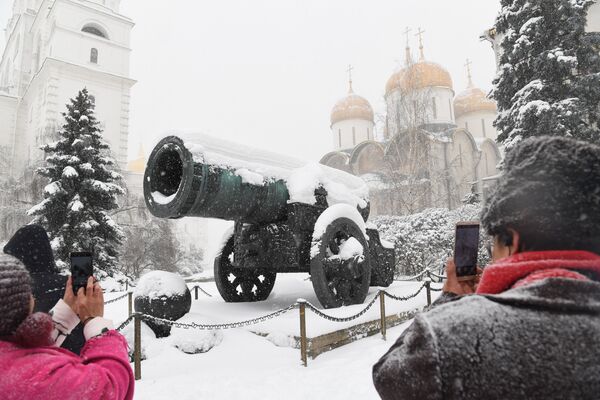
column 164, row 295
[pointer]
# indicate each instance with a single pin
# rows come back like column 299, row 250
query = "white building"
column 436, row 149
column 54, row 48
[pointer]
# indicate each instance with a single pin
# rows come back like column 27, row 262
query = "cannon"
column 288, row 216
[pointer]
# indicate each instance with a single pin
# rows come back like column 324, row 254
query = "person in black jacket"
column 530, row 328
column 31, row 245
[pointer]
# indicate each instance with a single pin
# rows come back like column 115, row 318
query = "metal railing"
column 300, row 304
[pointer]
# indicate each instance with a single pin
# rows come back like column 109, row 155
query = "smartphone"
column 81, row 269
column 466, row 248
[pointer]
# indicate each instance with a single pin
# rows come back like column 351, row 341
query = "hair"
column 550, row 194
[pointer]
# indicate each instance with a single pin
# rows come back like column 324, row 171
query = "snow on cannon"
column 288, row 216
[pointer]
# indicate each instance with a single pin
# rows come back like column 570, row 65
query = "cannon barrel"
column 182, row 180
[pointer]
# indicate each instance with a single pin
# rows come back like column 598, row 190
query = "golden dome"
column 352, row 106
column 471, row 100
column 138, row 165
column 420, row 75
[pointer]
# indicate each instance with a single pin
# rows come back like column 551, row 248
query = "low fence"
column 301, row 304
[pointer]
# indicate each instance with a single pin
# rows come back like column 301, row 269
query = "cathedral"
column 438, row 149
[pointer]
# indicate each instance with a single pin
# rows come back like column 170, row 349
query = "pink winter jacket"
column 52, row 373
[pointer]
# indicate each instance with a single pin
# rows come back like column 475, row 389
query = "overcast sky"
column 268, row 72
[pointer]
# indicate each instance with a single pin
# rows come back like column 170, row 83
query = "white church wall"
column 480, row 124
column 8, row 109
column 70, row 44
column 347, row 134
column 593, row 19
column 489, row 160
column 443, row 111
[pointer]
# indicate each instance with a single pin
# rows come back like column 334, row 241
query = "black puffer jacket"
column 540, row 341
column 31, row 245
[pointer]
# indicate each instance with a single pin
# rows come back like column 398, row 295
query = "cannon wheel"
column 241, row 284
column 337, row 282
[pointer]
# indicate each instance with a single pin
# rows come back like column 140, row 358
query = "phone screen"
column 81, row 269
column 466, row 249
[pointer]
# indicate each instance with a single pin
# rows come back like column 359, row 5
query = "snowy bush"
column 426, row 239
column 148, row 340
column 193, row 341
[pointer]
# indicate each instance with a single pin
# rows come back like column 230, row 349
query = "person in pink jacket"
column 32, row 366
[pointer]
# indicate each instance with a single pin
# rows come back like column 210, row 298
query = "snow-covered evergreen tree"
column 549, row 77
column 83, row 188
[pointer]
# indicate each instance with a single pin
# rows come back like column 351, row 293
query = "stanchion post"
column 428, row 287
column 196, row 292
column 126, row 285
column 302, row 308
column 382, row 309
column 137, row 347
column 129, row 303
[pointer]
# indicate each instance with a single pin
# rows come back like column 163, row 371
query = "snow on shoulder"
column 257, row 167
column 155, row 284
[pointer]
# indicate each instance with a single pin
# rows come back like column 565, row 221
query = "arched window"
column 95, row 30
column 94, row 56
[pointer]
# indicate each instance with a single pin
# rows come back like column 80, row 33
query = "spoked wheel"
column 341, row 271
column 241, row 284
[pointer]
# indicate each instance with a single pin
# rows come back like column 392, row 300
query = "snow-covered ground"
column 245, row 365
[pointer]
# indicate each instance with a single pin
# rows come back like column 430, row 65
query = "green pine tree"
column 549, row 77
column 83, row 188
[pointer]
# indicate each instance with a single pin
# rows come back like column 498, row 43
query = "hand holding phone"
column 466, row 249
column 81, row 269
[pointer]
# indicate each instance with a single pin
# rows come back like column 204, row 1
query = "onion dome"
column 138, row 165
column 471, row 100
column 422, row 74
column 352, row 106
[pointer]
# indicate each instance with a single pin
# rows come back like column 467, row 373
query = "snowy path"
column 248, row 366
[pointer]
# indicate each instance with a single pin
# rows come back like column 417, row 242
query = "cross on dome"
column 468, row 65
column 349, row 70
column 408, row 56
column 420, row 33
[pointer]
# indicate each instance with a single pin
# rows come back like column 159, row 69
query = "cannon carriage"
column 280, row 224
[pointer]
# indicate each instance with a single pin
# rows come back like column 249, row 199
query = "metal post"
column 126, row 285
column 130, row 303
column 137, row 347
column 196, row 292
column 303, row 332
column 382, row 309
column 428, row 287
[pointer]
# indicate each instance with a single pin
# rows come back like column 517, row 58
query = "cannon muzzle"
column 178, row 183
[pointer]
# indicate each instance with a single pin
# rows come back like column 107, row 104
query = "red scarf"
column 524, row 268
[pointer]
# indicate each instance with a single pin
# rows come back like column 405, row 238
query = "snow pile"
column 328, row 216
column 426, row 239
column 160, row 198
column 150, row 345
column 259, row 166
column 156, row 284
column 281, row 339
column 351, row 248
column 193, row 341
column 342, row 188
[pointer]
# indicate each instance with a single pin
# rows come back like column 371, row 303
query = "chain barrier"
column 125, row 323
column 202, row 290
column 404, row 298
column 437, row 276
column 230, row 325
column 411, row 278
column 116, row 299
column 342, row 319
column 435, row 289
